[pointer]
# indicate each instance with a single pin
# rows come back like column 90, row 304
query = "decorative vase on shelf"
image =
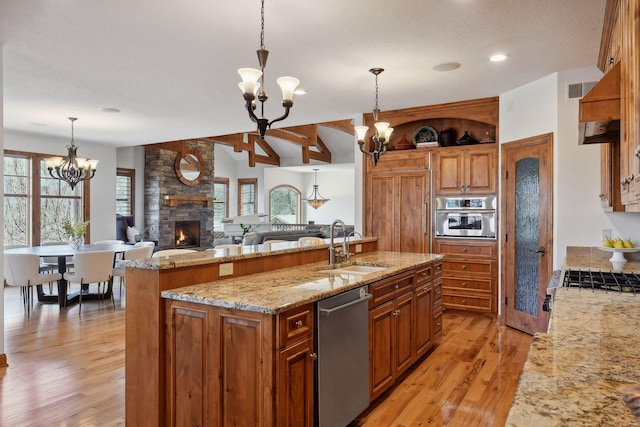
column 76, row 242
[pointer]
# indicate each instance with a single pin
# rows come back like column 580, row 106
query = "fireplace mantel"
column 179, row 200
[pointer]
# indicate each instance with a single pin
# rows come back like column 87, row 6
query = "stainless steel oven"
column 466, row 217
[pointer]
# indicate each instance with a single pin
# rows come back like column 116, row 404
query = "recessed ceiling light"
column 498, row 57
column 300, row 92
column 109, row 110
column 447, row 66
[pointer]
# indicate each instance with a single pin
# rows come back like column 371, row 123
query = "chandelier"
column 71, row 169
column 250, row 87
column 315, row 200
column 383, row 132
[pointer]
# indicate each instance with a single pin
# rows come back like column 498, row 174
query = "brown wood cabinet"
column 437, row 302
column 470, row 170
column 469, row 274
column 220, row 366
column 401, row 325
column 397, row 209
column 609, row 168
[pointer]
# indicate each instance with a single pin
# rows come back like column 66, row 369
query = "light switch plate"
column 225, row 269
column 358, row 248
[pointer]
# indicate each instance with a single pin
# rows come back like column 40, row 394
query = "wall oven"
column 466, row 217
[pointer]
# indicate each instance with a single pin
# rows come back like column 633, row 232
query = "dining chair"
column 23, row 270
column 145, row 243
column 271, row 242
column 171, row 252
column 141, row 252
column 93, row 267
column 54, row 260
column 310, row 241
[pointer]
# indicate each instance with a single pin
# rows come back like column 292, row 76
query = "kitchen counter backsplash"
column 592, row 258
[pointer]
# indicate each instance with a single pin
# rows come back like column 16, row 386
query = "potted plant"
column 75, row 232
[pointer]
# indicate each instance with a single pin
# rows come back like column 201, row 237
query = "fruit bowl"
column 618, row 259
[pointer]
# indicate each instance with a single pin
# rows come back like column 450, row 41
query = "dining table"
column 63, row 297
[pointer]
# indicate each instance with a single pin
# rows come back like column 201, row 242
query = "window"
column 125, row 191
column 220, row 202
column 35, row 203
column 247, row 196
column 284, row 205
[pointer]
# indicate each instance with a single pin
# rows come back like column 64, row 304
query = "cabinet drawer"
column 466, row 266
column 462, row 283
column 466, row 302
column 295, row 324
column 424, row 274
column 437, row 292
column 458, row 248
column 437, row 270
column 387, row 289
column 437, row 324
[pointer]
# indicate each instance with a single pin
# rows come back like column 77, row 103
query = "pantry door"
column 527, row 237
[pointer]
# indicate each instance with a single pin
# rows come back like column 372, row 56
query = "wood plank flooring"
column 68, row 370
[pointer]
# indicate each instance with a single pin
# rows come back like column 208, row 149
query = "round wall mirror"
column 190, row 167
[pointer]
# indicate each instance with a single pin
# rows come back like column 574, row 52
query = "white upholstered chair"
column 109, row 242
column 310, row 241
column 141, row 252
column 271, row 242
column 93, row 267
column 145, row 243
column 23, row 270
column 171, row 252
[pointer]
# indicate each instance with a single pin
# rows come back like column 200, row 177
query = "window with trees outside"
column 125, row 191
column 35, row 204
column 284, row 205
column 220, row 202
column 247, row 196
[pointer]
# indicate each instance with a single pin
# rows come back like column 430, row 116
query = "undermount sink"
column 355, row 269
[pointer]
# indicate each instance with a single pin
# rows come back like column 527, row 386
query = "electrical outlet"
column 358, row 248
column 225, row 269
column 606, row 234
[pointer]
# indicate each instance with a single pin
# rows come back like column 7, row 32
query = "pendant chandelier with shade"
column 315, row 200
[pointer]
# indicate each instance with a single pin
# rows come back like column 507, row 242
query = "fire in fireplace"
column 187, row 234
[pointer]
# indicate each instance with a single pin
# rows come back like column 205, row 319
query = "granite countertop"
column 227, row 255
column 574, row 373
column 276, row 291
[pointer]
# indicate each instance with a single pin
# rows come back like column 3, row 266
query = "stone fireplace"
column 187, row 234
column 169, row 202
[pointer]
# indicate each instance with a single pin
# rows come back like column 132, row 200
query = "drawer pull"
column 313, row 356
column 464, row 267
column 438, row 324
column 464, row 250
column 298, row 324
column 397, row 286
column 464, row 284
column 464, row 301
column 396, row 313
column 424, row 274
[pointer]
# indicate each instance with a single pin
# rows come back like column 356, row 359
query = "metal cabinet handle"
column 464, row 301
column 630, row 178
column 397, row 286
column 638, row 151
column 464, row 267
column 623, row 181
column 462, row 188
column 396, row 313
column 298, row 324
column 464, row 284
column 313, row 356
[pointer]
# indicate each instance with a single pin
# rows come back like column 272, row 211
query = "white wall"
column 2, row 211
column 338, row 186
column 103, row 192
column 541, row 107
column 133, row 158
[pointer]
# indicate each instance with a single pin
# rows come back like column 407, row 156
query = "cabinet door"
column 380, row 214
column 403, row 334
column 448, row 172
column 481, row 171
column 381, row 359
column 295, row 385
column 423, row 312
column 412, row 232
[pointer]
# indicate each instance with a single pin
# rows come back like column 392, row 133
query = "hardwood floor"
column 68, row 370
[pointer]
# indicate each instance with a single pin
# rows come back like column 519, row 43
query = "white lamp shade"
column 288, row 85
column 361, row 132
column 381, row 127
column 255, row 92
column 53, row 162
column 387, row 134
column 250, row 78
column 93, row 164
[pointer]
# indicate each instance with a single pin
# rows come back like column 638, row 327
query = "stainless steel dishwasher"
column 342, row 370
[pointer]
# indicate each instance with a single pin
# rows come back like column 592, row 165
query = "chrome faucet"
column 335, row 256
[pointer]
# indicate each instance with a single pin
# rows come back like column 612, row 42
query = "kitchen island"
column 574, row 373
column 258, row 323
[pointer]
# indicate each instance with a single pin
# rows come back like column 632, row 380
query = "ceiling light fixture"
column 250, row 87
column 498, row 57
column 71, row 169
column 383, row 132
column 315, row 200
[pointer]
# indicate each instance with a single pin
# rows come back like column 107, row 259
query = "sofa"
column 311, row 230
column 122, row 222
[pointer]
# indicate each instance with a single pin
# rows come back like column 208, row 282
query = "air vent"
column 578, row 90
